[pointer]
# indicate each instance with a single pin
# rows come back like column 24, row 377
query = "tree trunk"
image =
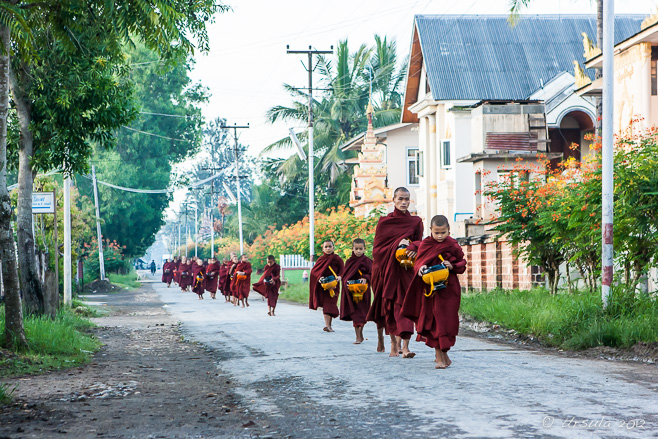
column 30, row 282
column 598, row 72
column 569, row 278
column 14, row 331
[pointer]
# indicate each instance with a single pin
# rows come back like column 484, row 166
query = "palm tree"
column 340, row 114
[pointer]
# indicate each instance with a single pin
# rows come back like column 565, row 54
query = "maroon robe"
column 212, row 277
column 230, row 285
column 270, row 290
column 176, row 271
column 356, row 268
column 436, row 317
column 168, row 272
column 390, row 280
column 185, row 275
column 197, row 285
column 319, row 297
column 241, row 287
column 223, row 279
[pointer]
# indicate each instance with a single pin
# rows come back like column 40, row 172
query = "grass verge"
column 53, row 344
column 6, row 392
column 569, row 321
column 297, row 292
column 126, row 281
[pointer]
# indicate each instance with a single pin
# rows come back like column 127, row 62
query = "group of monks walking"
column 232, row 278
column 409, row 286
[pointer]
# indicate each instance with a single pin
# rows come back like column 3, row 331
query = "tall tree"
column 14, row 331
column 170, row 27
column 167, row 131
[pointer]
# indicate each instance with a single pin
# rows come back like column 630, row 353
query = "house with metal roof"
column 484, row 92
column 636, row 76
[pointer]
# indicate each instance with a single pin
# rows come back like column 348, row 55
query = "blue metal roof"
column 483, row 57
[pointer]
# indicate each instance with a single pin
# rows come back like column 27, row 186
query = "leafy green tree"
column 170, row 27
column 147, row 150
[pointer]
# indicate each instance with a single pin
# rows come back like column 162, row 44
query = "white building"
column 484, row 93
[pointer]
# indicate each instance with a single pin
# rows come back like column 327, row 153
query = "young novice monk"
column 242, row 286
column 198, row 276
column 223, row 280
column 357, row 267
column 269, row 284
column 329, row 264
column 231, row 274
column 212, row 277
column 185, row 274
column 436, row 317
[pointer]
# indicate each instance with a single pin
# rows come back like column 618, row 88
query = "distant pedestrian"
column 305, row 276
column 152, row 267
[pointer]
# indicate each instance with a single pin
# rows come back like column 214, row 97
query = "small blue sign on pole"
column 43, row 202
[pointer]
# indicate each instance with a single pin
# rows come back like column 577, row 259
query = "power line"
column 157, row 135
column 186, row 116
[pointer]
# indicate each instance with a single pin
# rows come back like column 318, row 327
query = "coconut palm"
column 340, row 114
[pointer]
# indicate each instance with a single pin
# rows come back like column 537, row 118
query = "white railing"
column 293, row 261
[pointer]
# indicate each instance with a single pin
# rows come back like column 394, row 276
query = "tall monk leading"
column 435, row 307
column 242, row 280
column 231, row 275
column 324, row 284
column 212, row 277
column 355, row 300
column 269, row 284
column 168, row 272
column 390, row 279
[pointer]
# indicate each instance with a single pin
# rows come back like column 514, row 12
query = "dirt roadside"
column 145, row 382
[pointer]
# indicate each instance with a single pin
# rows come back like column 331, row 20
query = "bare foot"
column 395, row 350
column 329, row 329
column 269, row 313
column 358, row 341
column 325, row 329
column 442, row 360
column 408, row 354
column 380, row 344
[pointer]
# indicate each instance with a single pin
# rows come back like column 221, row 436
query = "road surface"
column 310, row 383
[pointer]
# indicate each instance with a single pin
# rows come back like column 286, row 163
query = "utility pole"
column 186, row 229
column 311, row 184
column 607, row 152
column 179, row 243
column 237, row 176
column 67, row 241
column 101, row 260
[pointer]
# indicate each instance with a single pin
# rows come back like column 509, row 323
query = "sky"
column 247, row 64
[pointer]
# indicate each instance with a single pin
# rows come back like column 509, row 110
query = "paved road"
column 309, row 383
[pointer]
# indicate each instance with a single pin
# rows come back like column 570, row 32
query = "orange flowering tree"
column 338, row 224
column 115, row 261
column 555, row 216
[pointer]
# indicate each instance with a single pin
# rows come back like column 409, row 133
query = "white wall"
column 397, row 142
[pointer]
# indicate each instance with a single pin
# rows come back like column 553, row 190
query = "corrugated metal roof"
column 483, row 57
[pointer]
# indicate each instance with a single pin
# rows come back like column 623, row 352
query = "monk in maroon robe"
column 269, row 284
column 168, row 272
column 390, row 280
column 223, row 280
column 198, row 277
column 176, row 272
column 185, row 274
column 212, row 277
column 437, row 316
column 357, row 267
column 231, row 275
column 329, row 264
column 242, row 280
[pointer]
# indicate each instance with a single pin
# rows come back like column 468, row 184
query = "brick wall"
column 492, row 264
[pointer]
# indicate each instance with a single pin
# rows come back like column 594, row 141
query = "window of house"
column 446, row 160
column 654, row 78
column 412, row 167
column 420, row 164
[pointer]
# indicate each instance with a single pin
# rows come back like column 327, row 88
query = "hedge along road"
column 308, row 383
